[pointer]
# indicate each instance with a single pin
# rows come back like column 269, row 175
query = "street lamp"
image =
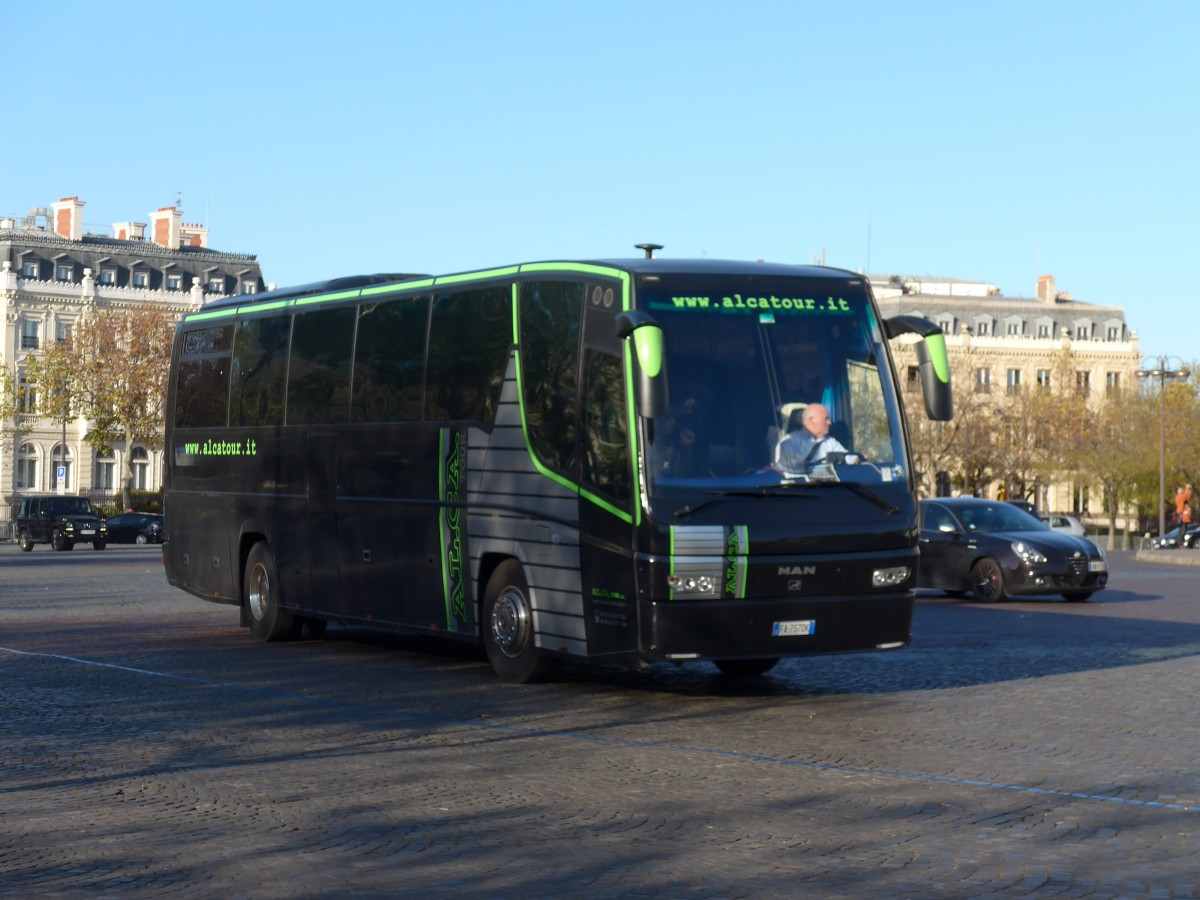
column 1162, row 369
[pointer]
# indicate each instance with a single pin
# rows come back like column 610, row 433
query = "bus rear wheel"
column 268, row 621
column 508, row 627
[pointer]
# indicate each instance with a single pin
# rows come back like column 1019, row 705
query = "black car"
column 993, row 549
column 1170, row 540
column 135, row 528
column 60, row 520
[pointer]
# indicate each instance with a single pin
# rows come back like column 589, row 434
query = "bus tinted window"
column 606, row 430
column 319, row 372
column 469, row 338
column 259, row 368
column 389, row 360
column 550, row 317
column 202, row 379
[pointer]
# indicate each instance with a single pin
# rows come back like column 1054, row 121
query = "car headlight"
column 1028, row 552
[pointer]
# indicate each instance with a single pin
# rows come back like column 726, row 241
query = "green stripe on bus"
column 215, row 314
column 487, row 275
column 671, row 557
column 397, row 287
column 325, row 298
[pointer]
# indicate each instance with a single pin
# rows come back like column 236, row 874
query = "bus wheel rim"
column 510, row 622
column 260, row 588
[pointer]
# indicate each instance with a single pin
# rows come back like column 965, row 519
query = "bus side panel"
column 387, row 524
column 517, row 511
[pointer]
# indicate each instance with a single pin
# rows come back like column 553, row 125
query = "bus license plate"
column 792, row 629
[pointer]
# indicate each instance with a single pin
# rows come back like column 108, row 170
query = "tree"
column 120, row 361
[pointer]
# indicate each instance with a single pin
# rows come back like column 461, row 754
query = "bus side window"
column 202, row 380
column 389, row 360
column 606, row 429
column 470, row 335
column 550, row 319
column 319, row 371
column 259, row 366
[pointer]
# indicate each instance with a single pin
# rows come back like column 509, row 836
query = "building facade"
column 52, row 273
column 1010, row 344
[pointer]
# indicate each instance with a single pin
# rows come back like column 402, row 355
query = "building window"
column 1014, row 329
column 215, row 286
column 63, row 271
column 1043, row 331
column 947, row 326
column 26, row 468
column 108, row 276
column 1112, row 383
column 1082, row 332
column 29, row 268
column 141, row 469
column 249, row 287
column 26, row 395
column 58, row 458
column 1114, row 333
column 174, row 282
column 141, row 279
column 105, row 467
column 1083, row 383
column 1014, row 381
column 912, row 380
column 983, row 329
column 983, row 381
column 1043, row 379
column 62, row 331
column 30, row 330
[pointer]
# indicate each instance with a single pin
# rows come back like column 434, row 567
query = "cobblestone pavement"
column 148, row 747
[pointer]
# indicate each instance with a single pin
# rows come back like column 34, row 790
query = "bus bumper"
column 770, row 627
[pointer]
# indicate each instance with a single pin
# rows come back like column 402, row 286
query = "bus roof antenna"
column 649, row 248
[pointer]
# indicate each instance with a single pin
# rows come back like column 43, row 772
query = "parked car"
column 59, row 520
column 994, row 550
column 1170, row 540
column 135, row 528
column 1067, row 524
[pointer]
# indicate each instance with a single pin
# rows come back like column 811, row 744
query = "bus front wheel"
column 508, row 627
column 268, row 622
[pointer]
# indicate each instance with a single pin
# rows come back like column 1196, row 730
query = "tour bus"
column 556, row 460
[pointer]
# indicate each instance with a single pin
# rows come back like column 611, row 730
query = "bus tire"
column 508, row 627
column 746, row 668
column 268, row 622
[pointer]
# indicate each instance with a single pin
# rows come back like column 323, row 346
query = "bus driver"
column 809, row 444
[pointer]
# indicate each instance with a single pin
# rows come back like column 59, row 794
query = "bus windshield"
column 745, row 358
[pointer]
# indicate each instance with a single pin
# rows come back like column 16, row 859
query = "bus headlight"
column 892, row 577
column 692, row 584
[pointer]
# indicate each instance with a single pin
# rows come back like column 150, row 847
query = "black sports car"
column 993, row 549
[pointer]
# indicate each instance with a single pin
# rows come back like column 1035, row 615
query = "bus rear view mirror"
column 932, row 363
column 649, row 362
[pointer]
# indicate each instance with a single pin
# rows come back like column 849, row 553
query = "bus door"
column 323, row 563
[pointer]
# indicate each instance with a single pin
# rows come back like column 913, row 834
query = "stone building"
column 1014, row 343
column 52, row 272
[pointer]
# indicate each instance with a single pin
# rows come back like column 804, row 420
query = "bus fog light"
column 893, row 577
column 692, row 584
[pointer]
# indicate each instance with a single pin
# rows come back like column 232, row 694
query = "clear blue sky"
column 994, row 142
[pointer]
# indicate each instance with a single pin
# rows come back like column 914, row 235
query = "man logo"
column 795, row 584
column 797, row 570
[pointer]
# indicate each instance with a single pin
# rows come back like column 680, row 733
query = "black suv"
column 60, row 521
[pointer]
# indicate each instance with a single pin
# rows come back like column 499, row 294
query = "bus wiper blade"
column 739, row 492
column 862, row 490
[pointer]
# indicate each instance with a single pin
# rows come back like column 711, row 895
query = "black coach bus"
column 557, row 459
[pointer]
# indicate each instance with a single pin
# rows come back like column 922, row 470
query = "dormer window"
column 29, row 268
column 141, row 279
column 174, row 282
column 108, row 275
column 63, row 272
column 249, row 287
column 215, row 285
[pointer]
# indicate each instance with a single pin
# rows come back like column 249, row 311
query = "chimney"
column 68, row 218
column 129, row 231
column 1045, row 288
column 164, row 227
column 193, row 235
